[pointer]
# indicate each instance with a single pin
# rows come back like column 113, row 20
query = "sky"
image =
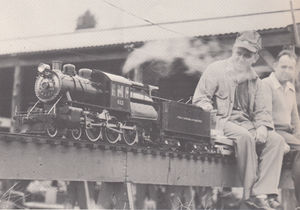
column 26, row 18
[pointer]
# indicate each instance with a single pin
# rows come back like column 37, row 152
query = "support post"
column 130, row 195
column 16, row 93
column 296, row 32
column 113, row 195
column 82, row 193
column 87, row 195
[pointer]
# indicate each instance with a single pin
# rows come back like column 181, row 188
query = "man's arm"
column 263, row 106
column 205, row 90
column 262, row 115
column 268, row 97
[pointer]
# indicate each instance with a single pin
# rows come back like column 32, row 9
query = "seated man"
column 240, row 104
column 281, row 99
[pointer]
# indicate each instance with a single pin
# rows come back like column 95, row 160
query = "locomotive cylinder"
column 70, row 116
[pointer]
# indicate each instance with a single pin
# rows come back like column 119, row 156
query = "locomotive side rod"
column 112, row 126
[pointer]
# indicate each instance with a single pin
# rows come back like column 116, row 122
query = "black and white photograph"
column 154, row 104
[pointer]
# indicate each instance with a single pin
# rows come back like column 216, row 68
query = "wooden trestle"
column 39, row 158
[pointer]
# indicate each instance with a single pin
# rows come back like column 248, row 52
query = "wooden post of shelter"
column 296, row 32
column 87, row 195
column 16, row 93
column 129, row 187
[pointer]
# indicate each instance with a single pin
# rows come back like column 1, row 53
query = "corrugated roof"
column 99, row 38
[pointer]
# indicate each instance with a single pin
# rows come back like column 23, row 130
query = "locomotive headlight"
column 47, row 86
column 42, row 67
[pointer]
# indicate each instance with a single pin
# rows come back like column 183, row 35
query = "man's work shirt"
column 282, row 102
column 241, row 98
column 217, row 86
column 240, row 112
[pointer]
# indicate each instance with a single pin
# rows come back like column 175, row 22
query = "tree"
column 87, row 20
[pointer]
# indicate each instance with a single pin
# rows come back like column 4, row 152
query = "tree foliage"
column 87, row 20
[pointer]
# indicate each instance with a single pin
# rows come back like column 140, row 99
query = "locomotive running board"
column 40, row 158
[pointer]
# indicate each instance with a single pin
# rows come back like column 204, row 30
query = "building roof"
column 104, row 38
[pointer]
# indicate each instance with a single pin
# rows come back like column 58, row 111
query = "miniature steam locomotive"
column 98, row 106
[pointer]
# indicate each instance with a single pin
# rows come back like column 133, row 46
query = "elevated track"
column 42, row 158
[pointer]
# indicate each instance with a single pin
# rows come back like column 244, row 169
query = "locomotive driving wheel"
column 93, row 133
column 76, row 133
column 130, row 136
column 112, row 135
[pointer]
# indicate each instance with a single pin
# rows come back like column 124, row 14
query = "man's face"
column 243, row 58
column 285, row 68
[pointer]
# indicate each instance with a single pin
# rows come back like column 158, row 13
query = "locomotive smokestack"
column 56, row 64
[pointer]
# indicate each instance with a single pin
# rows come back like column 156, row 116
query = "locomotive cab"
column 142, row 106
column 117, row 90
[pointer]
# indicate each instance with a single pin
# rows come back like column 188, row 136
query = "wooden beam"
column 269, row 38
column 34, row 60
column 277, row 39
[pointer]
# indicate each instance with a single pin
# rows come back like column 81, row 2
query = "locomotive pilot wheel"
column 76, row 133
column 94, row 133
column 130, row 136
column 53, row 131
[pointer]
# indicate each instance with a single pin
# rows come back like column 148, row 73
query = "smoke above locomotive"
column 195, row 54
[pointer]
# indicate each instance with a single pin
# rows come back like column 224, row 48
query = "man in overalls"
column 234, row 89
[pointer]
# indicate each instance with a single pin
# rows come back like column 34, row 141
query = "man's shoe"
column 258, row 203
column 274, row 203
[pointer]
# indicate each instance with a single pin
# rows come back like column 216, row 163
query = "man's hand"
column 207, row 107
column 287, row 148
column 261, row 134
column 297, row 135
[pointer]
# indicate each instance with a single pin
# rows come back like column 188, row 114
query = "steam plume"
column 159, row 56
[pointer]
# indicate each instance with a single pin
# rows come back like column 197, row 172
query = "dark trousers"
column 295, row 145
